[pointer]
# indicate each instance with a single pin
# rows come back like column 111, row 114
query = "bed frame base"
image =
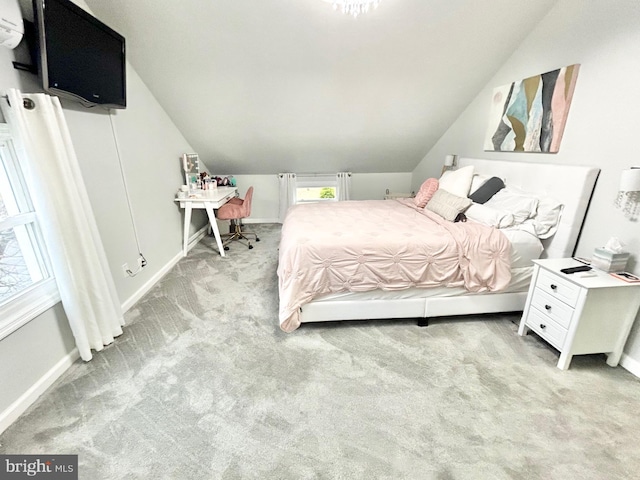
column 421, row 308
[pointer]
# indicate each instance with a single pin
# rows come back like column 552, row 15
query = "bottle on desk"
column 194, row 191
column 183, row 192
column 210, row 187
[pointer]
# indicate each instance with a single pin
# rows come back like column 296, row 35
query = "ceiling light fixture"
column 354, row 7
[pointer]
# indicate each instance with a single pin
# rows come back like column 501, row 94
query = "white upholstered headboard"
column 571, row 184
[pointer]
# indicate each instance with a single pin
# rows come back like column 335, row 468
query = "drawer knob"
column 553, row 287
column 547, row 307
column 543, row 326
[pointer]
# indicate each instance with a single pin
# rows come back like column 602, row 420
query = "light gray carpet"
column 204, row 385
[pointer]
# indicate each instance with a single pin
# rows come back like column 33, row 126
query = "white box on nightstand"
column 608, row 261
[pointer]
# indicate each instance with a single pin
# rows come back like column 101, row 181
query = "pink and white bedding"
column 360, row 246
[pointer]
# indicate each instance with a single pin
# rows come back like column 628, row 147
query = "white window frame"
column 34, row 300
column 316, row 181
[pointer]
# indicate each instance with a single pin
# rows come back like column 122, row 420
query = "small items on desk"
column 209, row 189
column 197, row 181
column 209, row 184
column 228, row 181
column 183, row 192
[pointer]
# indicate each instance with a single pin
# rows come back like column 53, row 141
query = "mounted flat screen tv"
column 79, row 56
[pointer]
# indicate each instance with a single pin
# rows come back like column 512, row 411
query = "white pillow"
column 489, row 216
column 519, row 205
column 547, row 217
column 458, row 181
column 477, row 181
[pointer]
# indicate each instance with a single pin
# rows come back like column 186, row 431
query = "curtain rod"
column 311, row 174
column 26, row 102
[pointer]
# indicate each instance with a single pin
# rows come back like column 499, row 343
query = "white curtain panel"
column 344, row 186
column 287, row 183
column 59, row 195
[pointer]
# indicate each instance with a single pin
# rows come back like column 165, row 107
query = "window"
column 316, row 188
column 27, row 287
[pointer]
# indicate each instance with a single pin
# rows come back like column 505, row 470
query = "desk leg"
column 187, row 224
column 214, row 227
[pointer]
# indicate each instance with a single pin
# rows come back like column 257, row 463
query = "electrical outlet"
column 125, row 268
column 141, row 262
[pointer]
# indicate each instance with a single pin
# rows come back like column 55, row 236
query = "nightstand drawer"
column 551, row 307
column 546, row 328
column 558, row 287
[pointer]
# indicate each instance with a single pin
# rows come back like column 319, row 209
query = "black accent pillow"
column 487, row 190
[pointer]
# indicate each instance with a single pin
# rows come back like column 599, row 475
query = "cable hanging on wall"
column 142, row 262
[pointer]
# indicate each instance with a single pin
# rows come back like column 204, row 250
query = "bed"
column 390, row 259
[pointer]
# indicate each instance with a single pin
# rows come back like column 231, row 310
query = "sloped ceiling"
column 265, row 86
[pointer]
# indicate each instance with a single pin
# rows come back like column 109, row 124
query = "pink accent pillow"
column 427, row 189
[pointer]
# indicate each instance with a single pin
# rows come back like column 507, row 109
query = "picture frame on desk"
column 626, row 277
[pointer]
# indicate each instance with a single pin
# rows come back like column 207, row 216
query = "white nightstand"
column 579, row 314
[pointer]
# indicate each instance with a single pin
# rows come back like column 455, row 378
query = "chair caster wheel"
column 257, row 239
column 250, row 247
column 226, row 248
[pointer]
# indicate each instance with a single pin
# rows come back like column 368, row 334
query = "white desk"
column 213, row 199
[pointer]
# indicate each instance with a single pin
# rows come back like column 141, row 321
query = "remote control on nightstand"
column 582, row 268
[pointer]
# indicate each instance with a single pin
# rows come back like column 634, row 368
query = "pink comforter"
column 382, row 244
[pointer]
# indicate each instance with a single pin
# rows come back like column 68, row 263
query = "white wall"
column 150, row 146
column 364, row 186
column 604, row 37
column 373, row 186
column 266, row 197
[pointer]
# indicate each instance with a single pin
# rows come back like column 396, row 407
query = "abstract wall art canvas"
column 529, row 115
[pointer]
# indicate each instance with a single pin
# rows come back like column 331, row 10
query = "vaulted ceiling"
column 264, row 86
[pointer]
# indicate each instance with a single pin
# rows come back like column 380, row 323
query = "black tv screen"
column 80, row 57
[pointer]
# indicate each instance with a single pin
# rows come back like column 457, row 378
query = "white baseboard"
column 196, row 237
column 630, row 364
column 27, row 399
column 148, row 285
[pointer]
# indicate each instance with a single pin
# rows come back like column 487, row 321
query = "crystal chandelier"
column 354, row 7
